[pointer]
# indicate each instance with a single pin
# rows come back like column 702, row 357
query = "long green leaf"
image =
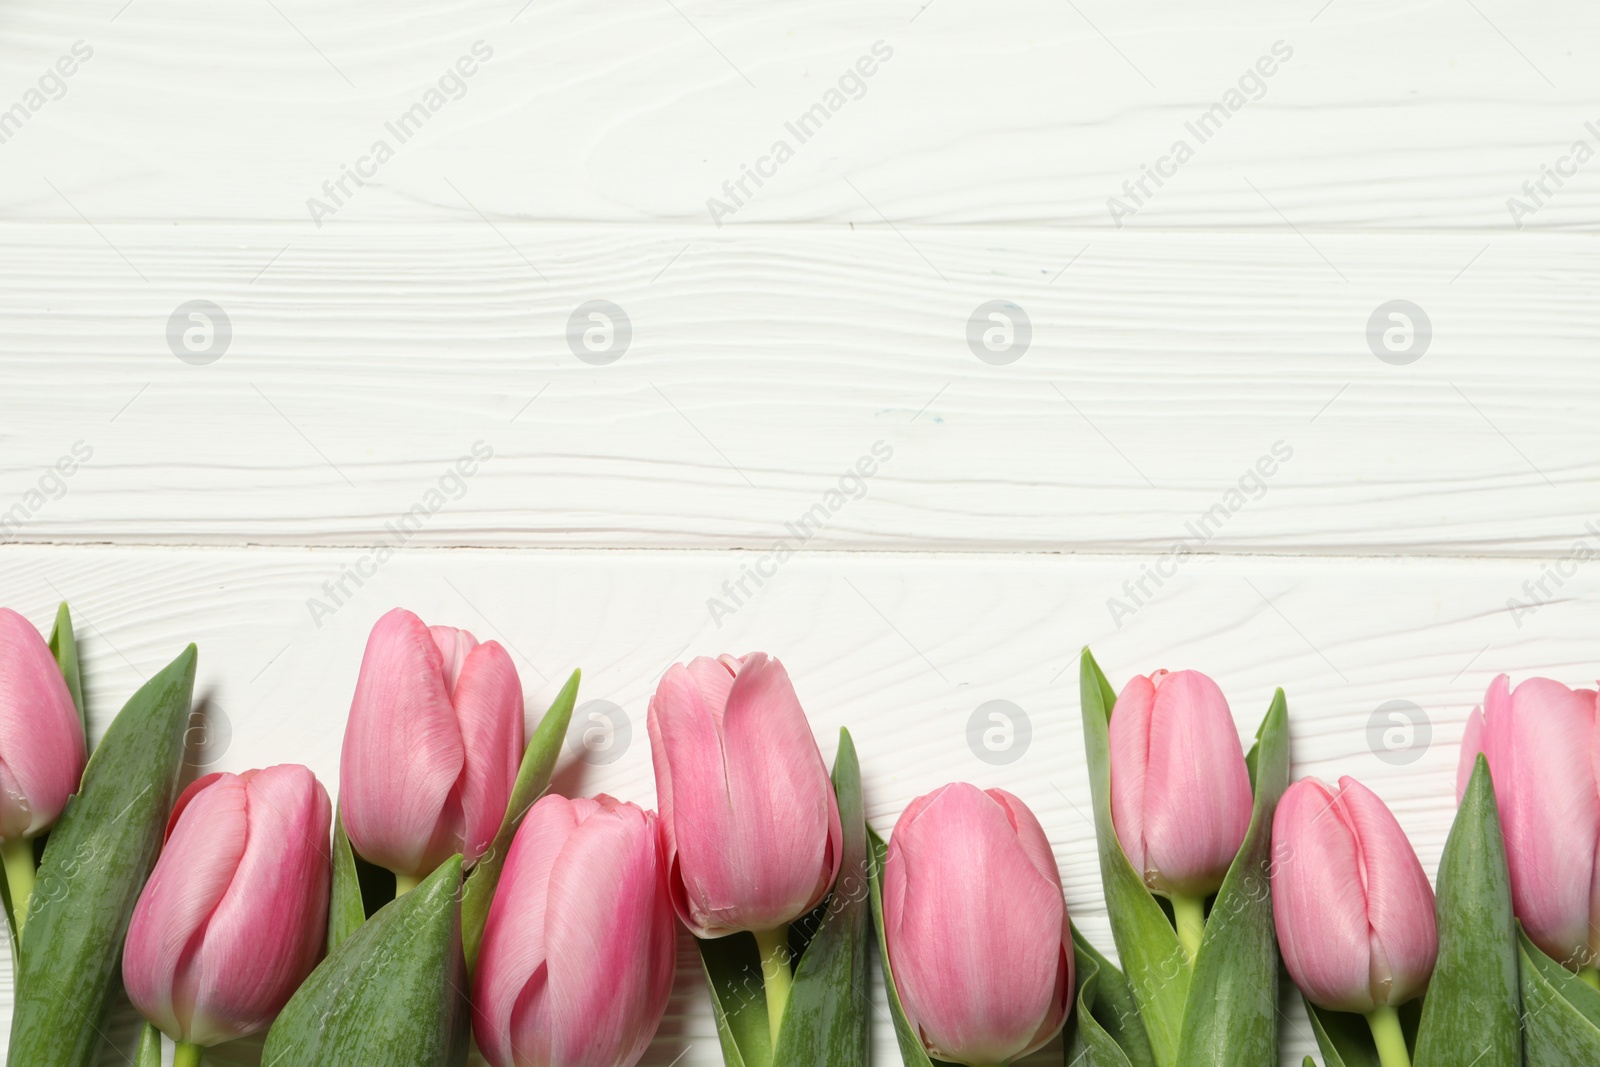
column 64, row 646
column 828, row 1020
column 738, row 999
column 1472, row 1014
column 1561, row 1012
column 1232, row 1013
column 533, row 778
column 99, row 855
column 1088, row 1044
column 346, row 911
column 911, row 1050
column 392, row 993
column 1344, row 1039
column 1111, row 1005
column 1152, row 958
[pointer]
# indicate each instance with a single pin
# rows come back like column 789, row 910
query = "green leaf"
column 149, row 1047
column 1345, row 1039
column 346, row 912
column 1110, row 1004
column 1561, row 1012
column 1232, row 1012
column 1155, row 964
column 391, row 993
column 99, row 855
column 911, row 1050
column 533, row 778
column 828, row 1019
column 1104, row 1030
column 1471, row 1016
column 64, row 647
column 738, row 999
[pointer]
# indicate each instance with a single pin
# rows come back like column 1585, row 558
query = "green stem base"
column 18, row 857
column 403, row 884
column 187, row 1055
column 775, row 975
column 1391, row 1040
column 1590, row 975
column 1190, row 915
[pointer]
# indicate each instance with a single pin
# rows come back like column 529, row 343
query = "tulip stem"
column 1190, row 913
column 1391, row 1040
column 19, row 876
column 775, row 975
column 403, row 884
column 1590, row 975
column 187, row 1055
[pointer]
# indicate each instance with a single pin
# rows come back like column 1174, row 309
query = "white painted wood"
column 764, row 365
column 1391, row 116
column 899, row 648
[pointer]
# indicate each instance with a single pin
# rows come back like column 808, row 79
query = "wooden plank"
column 902, row 649
column 765, row 367
column 1374, row 115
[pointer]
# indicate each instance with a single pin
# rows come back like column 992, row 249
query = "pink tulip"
column 432, row 746
column 1180, row 790
column 42, row 751
column 235, row 914
column 1353, row 907
column 578, row 951
column 976, row 926
column 1539, row 741
column 747, row 807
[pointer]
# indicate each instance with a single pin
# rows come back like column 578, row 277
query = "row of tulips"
column 448, row 897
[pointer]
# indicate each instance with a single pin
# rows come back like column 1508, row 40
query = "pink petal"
column 786, row 833
column 1130, row 758
column 1318, row 900
column 692, row 789
column 977, row 960
column 267, row 932
column 42, row 751
column 1197, row 791
column 1400, row 907
column 610, row 941
column 511, row 998
column 715, row 679
column 1538, row 743
column 402, row 752
column 194, row 871
column 488, row 702
column 454, row 648
column 1471, row 749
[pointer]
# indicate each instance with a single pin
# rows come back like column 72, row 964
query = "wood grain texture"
column 1389, row 116
column 902, row 649
column 764, row 366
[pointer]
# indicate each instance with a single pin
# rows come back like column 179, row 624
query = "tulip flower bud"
column 1539, row 740
column 578, row 952
column 432, row 746
column 1353, row 908
column 235, row 914
column 976, row 926
column 42, row 750
column 1180, row 789
column 747, row 807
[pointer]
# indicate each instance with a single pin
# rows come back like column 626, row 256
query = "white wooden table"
column 938, row 157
